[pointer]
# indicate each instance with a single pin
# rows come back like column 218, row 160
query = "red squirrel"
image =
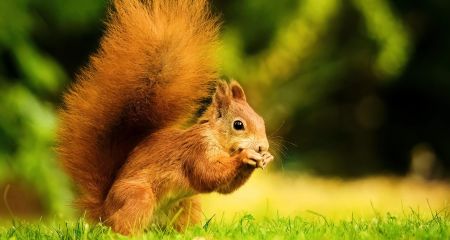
column 148, row 125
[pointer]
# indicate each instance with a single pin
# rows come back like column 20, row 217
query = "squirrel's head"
column 235, row 124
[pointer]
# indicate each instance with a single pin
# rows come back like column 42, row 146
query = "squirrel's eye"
column 238, row 125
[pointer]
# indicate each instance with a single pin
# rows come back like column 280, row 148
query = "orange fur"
column 121, row 137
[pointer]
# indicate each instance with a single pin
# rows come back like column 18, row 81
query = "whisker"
column 278, row 129
column 279, row 149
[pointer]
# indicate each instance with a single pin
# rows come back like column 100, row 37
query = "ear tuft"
column 236, row 91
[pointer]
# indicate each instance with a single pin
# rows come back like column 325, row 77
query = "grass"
column 410, row 226
column 292, row 207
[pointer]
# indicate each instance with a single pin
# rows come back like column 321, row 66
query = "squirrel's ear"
column 236, row 91
column 222, row 98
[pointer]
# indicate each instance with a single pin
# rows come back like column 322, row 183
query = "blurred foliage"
column 304, row 63
column 31, row 81
column 353, row 87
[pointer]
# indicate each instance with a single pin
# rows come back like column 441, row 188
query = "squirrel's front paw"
column 266, row 159
column 251, row 157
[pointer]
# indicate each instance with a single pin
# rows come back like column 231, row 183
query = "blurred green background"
column 348, row 88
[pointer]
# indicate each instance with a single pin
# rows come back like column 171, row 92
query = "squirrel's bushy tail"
column 154, row 65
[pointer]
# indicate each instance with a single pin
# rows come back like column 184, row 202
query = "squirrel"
column 148, row 125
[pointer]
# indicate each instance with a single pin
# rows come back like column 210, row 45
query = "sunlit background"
column 355, row 94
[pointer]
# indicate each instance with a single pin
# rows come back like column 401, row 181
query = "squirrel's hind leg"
column 129, row 207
